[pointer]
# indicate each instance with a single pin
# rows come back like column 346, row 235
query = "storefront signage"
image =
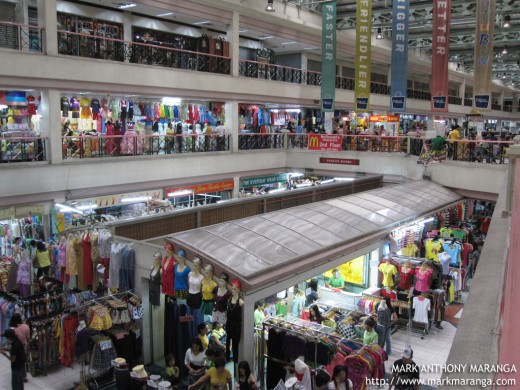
column 399, row 76
column 263, row 180
column 440, row 55
column 384, row 118
column 343, row 161
column 483, row 57
column 13, row 98
column 204, row 188
column 328, row 56
column 325, row 142
column 25, row 211
column 6, row 214
column 363, row 51
column 115, row 200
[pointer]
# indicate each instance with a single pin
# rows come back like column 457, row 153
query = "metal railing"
column 92, row 46
column 22, row 149
column 275, row 72
column 101, row 146
column 21, row 37
column 261, row 141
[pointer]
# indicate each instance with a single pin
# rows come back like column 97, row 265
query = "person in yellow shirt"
column 203, row 330
column 219, row 376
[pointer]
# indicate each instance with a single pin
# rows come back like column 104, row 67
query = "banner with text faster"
column 440, row 55
column 363, row 51
column 483, row 56
column 328, row 56
column 399, row 74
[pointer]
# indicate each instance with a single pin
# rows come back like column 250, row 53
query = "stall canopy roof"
column 252, row 246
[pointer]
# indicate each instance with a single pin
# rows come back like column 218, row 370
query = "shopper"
column 384, row 318
column 340, row 380
column 322, row 380
column 370, row 336
column 246, row 379
column 203, row 330
column 404, row 371
column 172, row 371
column 23, row 332
column 315, row 315
column 336, row 281
column 170, row 138
column 43, row 259
column 217, row 340
column 17, row 357
column 195, row 361
column 259, row 315
column 313, row 294
column 219, row 377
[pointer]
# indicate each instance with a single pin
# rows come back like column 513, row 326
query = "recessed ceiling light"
column 165, row 14
column 243, row 30
column 266, row 37
column 200, row 23
column 126, row 5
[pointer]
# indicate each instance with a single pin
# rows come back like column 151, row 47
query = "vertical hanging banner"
column 440, row 55
column 399, row 72
column 328, row 56
column 483, row 57
column 363, row 49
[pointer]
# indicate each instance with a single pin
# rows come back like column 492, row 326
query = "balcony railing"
column 21, row 37
column 91, row 46
column 275, row 72
column 101, row 146
column 22, row 149
column 261, row 141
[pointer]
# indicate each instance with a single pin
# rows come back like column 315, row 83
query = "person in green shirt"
column 259, row 312
column 336, row 281
column 370, row 336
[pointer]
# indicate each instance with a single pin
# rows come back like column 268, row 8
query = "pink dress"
column 423, row 280
column 109, row 145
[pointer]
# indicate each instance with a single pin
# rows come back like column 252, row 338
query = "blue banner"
column 328, row 56
column 399, row 74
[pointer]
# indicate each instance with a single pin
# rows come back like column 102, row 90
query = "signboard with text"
column 384, row 118
column 325, row 142
column 263, row 180
column 204, row 188
column 342, row 161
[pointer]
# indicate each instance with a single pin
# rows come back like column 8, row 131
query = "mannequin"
column 222, row 296
column 23, row 274
column 195, row 279
column 423, row 278
column 208, row 286
column 155, row 280
column 388, row 270
column 406, row 276
column 302, row 373
column 167, row 271
column 181, row 275
column 234, row 321
column 81, row 349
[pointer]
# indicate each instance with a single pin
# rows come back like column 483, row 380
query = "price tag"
column 104, row 345
column 186, row 319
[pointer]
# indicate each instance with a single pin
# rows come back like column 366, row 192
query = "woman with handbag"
column 42, row 259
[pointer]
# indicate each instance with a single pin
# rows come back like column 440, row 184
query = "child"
column 172, row 371
column 370, row 336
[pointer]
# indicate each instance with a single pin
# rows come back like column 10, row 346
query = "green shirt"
column 370, row 337
column 337, row 282
column 437, row 143
column 259, row 316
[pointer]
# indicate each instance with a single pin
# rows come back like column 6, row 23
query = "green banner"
column 328, row 55
column 363, row 48
column 263, row 180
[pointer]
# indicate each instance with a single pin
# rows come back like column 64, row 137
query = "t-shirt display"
column 422, row 306
column 423, row 279
column 388, row 270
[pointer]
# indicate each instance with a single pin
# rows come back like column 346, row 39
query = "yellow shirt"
column 388, row 270
column 454, row 134
column 204, row 340
column 432, row 249
column 207, row 289
column 410, row 250
column 218, row 379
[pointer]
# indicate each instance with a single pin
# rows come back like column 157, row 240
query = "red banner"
column 384, row 118
column 204, row 188
column 325, row 142
column 343, row 161
column 440, row 55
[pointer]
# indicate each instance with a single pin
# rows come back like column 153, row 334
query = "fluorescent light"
column 87, row 207
column 202, row 22
column 264, row 37
column 243, row 30
column 425, row 221
column 344, row 179
column 303, row 185
column 327, row 181
column 165, row 14
column 289, row 43
column 126, row 5
column 277, row 190
column 65, row 208
column 179, row 193
column 136, row 199
column 171, row 101
column 270, row 6
column 296, row 174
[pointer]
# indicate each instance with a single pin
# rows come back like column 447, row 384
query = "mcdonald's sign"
column 324, row 142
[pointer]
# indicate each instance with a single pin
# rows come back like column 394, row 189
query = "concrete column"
column 389, row 74
column 233, row 37
column 23, row 14
column 247, row 344
column 232, row 124
column 48, row 18
column 127, row 29
column 501, row 99
column 51, row 124
column 236, row 187
column 513, row 152
column 462, row 90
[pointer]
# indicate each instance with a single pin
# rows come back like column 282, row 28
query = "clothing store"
column 200, row 194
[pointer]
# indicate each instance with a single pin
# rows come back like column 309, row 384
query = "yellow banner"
column 363, row 49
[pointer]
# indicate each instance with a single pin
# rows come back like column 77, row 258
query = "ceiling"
column 462, row 30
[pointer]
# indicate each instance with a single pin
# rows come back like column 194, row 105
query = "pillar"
column 389, row 75
column 48, row 18
column 236, row 187
column 232, row 124
column 513, row 152
column 501, row 100
column 127, row 29
column 234, row 40
column 462, row 90
column 50, row 110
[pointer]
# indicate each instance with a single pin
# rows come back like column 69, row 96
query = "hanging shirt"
column 421, row 306
column 181, row 278
column 445, row 259
column 423, row 280
column 454, row 251
column 432, row 249
column 410, row 250
column 388, row 270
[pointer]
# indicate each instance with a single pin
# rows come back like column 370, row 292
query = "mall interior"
column 167, row 164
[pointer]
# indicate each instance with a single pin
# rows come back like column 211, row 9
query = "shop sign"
column 440, row 55
column 399, row 68
column 115, row 200
column 363, row 61
column 343, row 161
column 325, row 142
column 186, row 319
column 204, row 188
column 384, row 118
column 263, row 180
column 33, row 209
column 328, row 56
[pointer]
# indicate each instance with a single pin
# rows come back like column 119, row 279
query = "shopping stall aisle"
column 61, row 378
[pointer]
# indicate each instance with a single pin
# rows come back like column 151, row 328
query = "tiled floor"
column 61, row 378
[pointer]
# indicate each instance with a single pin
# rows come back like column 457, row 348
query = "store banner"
column 363, row 50
column 483, row 57
column 440, row 55
column 13, row 98
column 399, row 71
column 384, row 118
column 328, row 56
column 203, row 188
column 116, row 200
column 263, row 180
column 341, row 161
column 325, row 142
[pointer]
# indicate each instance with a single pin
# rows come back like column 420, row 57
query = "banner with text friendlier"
column 363, row 50
column 328, row 56
column 440, row 55
column 483, row 56
column 399, row 76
